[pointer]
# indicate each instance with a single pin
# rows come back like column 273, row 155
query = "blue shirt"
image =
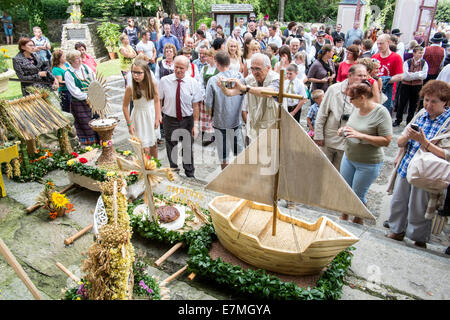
column 164, row 40
column 40, row 43
column 352, row 35
column 312, row 113
column 430, row 128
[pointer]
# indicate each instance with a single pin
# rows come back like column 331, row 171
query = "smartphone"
column 415, row 127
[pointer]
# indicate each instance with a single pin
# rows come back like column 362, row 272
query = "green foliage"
column 255, row 283
column 109, row 32
column 207, row 21
column 4, row 60
column 317, row 10
column 443, row 11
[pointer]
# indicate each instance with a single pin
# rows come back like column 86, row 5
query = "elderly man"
column 353, row 34
column 213, row 29
column 333, row 113
column 294, row 46
column 42, row 45
column 180, row 96
column 251, row 28
column 201, row 61
column 259, row 111
column 190, row 44
column 337, row 32
column 226, row 118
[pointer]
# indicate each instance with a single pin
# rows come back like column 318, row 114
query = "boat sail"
column 282, row 163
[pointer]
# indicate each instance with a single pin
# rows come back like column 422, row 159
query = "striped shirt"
column 430, row 128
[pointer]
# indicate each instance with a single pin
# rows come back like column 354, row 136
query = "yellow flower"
column 110, row 173
column 4, row 50
column 70, row 162
column 59, row 199
column 6, row 56
column 78, row 298
column 126, row 152
column 88, row 148
column 104, row 144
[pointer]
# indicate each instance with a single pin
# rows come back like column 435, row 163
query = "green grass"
column 108, row 68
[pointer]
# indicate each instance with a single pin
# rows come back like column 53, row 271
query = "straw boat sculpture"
column 243, row 218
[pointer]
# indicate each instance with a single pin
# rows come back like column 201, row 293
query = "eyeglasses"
column 137, row 72
column 255, row 69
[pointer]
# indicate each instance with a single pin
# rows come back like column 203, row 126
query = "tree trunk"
column 169, row 6
column 281, row 12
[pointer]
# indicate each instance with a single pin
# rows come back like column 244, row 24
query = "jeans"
column 388, row 90
column 359, row 176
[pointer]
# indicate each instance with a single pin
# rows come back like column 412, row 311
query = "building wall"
column 346, row 16
column 406, row 16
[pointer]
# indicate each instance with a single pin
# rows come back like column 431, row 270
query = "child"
column 317, row 96
column 146, row 114
column 300, row 61
column 272, row 51
column 294, row 86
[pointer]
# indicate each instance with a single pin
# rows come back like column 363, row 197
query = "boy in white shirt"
column 294, row 86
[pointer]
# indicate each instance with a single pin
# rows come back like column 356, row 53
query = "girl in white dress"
column 236, row 61
column 146, row 115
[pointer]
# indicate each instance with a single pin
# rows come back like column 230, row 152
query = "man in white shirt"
column 294, row 86
column 147, row 47
column 242, row 25
column 415, row 70
column 273, row 37
column 236, row 35
column 180, row 96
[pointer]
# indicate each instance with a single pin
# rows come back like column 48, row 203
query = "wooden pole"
column 175, row 275
column 71, row 239
column 67, row 272
column 277, row 174
column 191, row 276
column 168, row 254
column 19, row 270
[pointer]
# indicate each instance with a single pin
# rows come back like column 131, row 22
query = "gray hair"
column 182, row 58
column 72, row 55
column 294, row 40
column 263, row 57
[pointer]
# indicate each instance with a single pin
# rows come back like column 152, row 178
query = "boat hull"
column 299, row 248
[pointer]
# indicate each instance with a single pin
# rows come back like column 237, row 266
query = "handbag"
column 427, row 171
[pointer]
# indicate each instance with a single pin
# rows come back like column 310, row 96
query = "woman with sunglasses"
column 369, row 128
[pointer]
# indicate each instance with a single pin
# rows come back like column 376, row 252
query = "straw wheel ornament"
column 99, row 101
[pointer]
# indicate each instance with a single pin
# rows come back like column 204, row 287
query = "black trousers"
column 408, row 94
column 298, row 114
column 174, row 132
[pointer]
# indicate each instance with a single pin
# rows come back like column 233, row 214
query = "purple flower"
column 145, row 287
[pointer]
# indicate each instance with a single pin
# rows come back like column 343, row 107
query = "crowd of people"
column 183, row 83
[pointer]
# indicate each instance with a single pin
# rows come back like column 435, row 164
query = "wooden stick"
column 37, row 206
column 67, row 272
column 19, row 270
column 172, row 277
column 285, row 95
column 168, row 254
column 191, row 276
column 78, row 234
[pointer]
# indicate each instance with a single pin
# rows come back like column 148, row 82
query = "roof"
column 31, row 116
column 355, row 2
column 231, row 7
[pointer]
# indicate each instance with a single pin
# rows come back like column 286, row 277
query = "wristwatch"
column 246, row 90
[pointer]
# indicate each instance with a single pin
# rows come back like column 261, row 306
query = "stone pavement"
column 381, row 268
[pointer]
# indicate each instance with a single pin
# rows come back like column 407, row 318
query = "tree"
column 34, row 9
column 443, row 11
column 169, row 6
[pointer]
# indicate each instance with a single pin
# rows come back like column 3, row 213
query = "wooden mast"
column 281, row 95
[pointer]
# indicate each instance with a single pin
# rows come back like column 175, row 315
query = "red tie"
column 178, row 104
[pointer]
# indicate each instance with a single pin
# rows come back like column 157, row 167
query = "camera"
column 227, row 84
column 345, row 116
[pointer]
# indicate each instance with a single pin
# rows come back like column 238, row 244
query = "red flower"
column 83, row 160
column 75, row 154
column 133, row 172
